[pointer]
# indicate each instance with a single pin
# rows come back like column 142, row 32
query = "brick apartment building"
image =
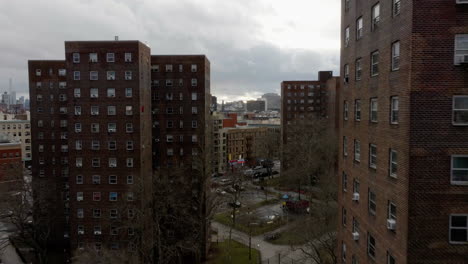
column 403, row 159
column 10, row 158
column 181, row 102
column 102, row 121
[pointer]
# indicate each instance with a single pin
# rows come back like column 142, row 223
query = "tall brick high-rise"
column 97, row 136
column 403, row 160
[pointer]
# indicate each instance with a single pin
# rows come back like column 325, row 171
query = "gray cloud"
column 244, row 62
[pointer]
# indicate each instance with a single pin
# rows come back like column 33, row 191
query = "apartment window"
column 112, row 179
column 194, row 110
column 392, row 211
column 460, row 110
column 396, row 56
column 359, row 28
column 372, row 156
column 96, row 162
column 98, row 246
column 95, row 110
column 129, row 145
column 128, row 75
column 111, row 110
column 94, row 128
column 168, row 67
column 111, row 127
column 113, row 230
column 194, row 151
column 80, row 213
column 194, row 138
column 357, row 110
column 95, row 145
column 77, row 92
column 80, row 230
column 96, row 196
column 93, row 75
column 170, row 124
column 78, row 145
column 375, row 63
column 345, row 146
column 97, row 213
column 112, row 196
column 129, row 127
column 194, row 124
column 130, row 179
column 393, row 166
column 194, row 96
column 375, row 16
column 129, row 162
column 355, row 225
column 461, row 49
column 346, row 75
column 94, row 92
column 459, row 174
column 62, row 85
column 372, row 205
column 390, row 259
column 343, row 216
column 130, row 196
column 128, row 92
column 93, row 57
column 343, row 251
column 62, row 110
column 110, row 57
column 169, row 82
column 358, row 69
column 169, row 138
column 77, row 110
column 62, row 97
column 130, row 213
column 112, row 162
column 373, row 110
column 76, row 75
column 79, row 179
column 357, row 150
column 194, row 68
column 128, row 57
column 38, row 72
column 77, row 127
column 131, row 231
column 111, row 75
column 170, row 152
column 346, row 37
column 96, row 178
column 79, row 196
column 370, row 246
column 112, row 145
column 344, row 181
column 396, row 7
column 155, row 68
column 394, row 108
column 194, row 82
column 76, row 58
column 458, row 228
column 128, row 110
column 345, row 110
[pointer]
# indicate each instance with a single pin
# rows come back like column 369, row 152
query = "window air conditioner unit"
column 80, row 232
column 391, row 224
column 97, row 232
column 355, row 236
column 355, row 196
column 94, row 95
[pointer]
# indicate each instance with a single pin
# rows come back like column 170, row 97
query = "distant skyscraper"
column 214, row 103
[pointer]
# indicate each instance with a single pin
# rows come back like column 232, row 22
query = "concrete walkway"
column 267, row 250
column 8, row 253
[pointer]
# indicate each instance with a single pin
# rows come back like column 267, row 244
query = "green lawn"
column 239, row 254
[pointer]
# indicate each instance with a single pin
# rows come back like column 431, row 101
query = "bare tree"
column 310, row 157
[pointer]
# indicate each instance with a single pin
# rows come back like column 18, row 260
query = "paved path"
column 7, row 252
column 267, row 250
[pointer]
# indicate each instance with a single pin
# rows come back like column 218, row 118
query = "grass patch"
column 239, row 253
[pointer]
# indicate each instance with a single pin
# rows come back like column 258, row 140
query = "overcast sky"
column 252, row 44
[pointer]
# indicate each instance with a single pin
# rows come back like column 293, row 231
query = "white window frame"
column 393, row 162
column 128, row 57
column 357, row 109
column 359, row 28
column 345, row 146
column 76, row 57
column 394, row 110
column 453, row 182
column 375, row 15
column 371, row 201
column 459, row 110
column 375, row 63
column 345, row 110
column 372, row 155
column 374, row 110
column 370, row 246
column 464, row 52
column 358, row 65
column 457, row 228
column 93, row 57
column 396, row 7
column 76, row 75
column 357, row 150
column 128, row 75
column 396, row 49
column 110, row 57
column 346, row 37
column 93, row 75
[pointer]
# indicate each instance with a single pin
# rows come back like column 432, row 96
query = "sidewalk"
column 8, row 253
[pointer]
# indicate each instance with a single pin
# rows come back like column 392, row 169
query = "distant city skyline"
column 252, row 48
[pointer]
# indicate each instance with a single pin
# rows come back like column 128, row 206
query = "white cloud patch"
column 252, row 44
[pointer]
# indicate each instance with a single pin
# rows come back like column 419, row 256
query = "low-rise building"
column 19, row 131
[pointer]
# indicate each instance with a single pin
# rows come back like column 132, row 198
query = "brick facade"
column 422, row 136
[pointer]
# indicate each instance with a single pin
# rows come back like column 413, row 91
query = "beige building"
column 219, row 144
column 18, row 131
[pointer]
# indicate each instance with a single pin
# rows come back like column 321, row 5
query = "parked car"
column 271, row 236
